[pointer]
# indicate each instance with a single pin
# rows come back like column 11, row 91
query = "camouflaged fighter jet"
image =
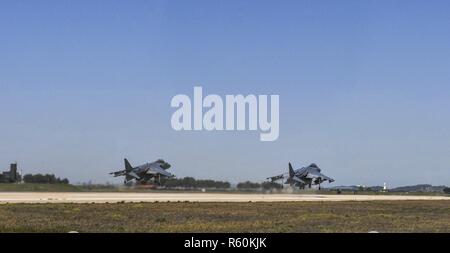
column 306, row 176
column 146, row 172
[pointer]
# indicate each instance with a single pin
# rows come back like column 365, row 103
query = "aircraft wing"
column 298, row 180
column 316, row 174
column 132, row 174
column 277, row 177
column 156, row 170
column 118, row 173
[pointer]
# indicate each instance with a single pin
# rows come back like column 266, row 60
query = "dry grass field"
column 382, row 216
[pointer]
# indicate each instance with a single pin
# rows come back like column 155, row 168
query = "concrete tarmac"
column 114, row 197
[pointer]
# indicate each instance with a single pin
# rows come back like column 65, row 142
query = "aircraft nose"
column 165, row 166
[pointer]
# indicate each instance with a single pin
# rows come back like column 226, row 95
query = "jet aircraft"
column 306, row 176
column 146, row 172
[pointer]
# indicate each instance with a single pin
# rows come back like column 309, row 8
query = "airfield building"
column 11, row 176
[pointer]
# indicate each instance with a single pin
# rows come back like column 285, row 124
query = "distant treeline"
column 5, row 178
column 44, row 179
column 265, row 185
column 189, row 182
column 420, row 188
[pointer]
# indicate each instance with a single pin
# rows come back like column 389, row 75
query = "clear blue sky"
column 364, row 86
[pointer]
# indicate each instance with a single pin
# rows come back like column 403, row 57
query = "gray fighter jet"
column 306, row 176
column 146, row 172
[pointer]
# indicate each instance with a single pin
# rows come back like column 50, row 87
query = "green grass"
column 32, row 187
column 38, row 188
column 382, row 216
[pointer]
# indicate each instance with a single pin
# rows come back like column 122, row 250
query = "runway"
column 114, row 197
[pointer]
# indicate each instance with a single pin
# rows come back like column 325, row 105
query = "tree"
column 271, row 185
column 248, row 185
column 190, row 182
column 44, row 179
column 447, row 190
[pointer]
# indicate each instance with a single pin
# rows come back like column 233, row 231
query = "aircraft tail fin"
column 291, row 170
column 128, row 166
